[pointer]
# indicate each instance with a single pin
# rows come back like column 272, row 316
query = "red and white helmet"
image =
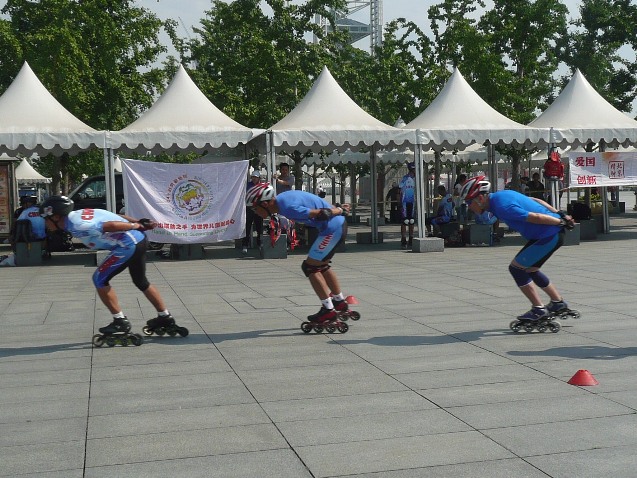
column 258, row 193
column 473, row 187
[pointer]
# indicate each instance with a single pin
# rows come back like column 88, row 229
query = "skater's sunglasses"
column 254, row 208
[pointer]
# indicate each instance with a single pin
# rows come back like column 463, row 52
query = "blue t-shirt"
column 86, row 225
column 38, row 226
column 514, row 208
column 296, row 205
column 407, row 188
column 445, row 207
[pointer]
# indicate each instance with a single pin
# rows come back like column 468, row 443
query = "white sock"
column 338, row 296
column 164, row 313
column 327, row 303
column 119, row 315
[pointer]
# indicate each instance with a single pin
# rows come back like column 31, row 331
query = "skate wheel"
column 98, row 340
column 161, row 332
column 330, row 329
column 125, row 341
column 136, row 339
column 110, row 341
column 306, row 327
column 147, row 331
column 342, row 327
column 529, row 327
column 183, row 331
column 318, row 329
column 172, row 332
column 515, row 326
column 355, row 315
column 574, row 314
column 555, row 327
column 542, row 328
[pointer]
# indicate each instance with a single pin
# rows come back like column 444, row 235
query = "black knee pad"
column 309, row 269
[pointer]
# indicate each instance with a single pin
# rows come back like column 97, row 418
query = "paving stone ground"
column 430, row 382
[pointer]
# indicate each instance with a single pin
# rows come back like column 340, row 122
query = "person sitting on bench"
column 444, row 214
column 31, row 213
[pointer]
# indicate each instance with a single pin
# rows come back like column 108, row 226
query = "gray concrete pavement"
column 430, row 382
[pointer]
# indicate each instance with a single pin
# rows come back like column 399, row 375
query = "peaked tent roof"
column 183, row 119
column 327, row 118
column 458, row 117
column 581, row 115
column 25, row 173
column 33, row 121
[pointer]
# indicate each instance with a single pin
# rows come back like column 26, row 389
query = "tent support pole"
column 604, row 193
column 109, row 176
column 269, row 157
column 373, row 221
column 420, row 192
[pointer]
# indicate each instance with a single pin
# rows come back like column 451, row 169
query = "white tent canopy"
column 182, row 119
column 26, row 174
column 33, row 121
column 458, row 117
column 327, row 118
column 581, row 115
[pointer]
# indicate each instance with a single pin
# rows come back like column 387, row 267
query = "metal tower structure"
column 358, row 30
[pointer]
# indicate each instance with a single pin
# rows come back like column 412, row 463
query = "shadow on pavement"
column 595, row 352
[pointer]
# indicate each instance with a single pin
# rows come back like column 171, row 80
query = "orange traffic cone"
column 350, row 299
column 583, row 378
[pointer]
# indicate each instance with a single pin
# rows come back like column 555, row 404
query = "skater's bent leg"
column 531, row 293
column 314, row 270
column 332, row 281
column 109, row 298
column 545, row 284
column 524, row 281
column 153, row 296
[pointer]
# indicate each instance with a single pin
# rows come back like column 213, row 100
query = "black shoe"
column 159, row 321
column 117, row 326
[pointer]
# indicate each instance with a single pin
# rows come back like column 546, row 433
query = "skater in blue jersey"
column 541, row 225
column 407, row 205
column 125, row 239
column 313, row 211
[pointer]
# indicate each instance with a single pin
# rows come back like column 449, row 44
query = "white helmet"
column 258, row 193
column 473, row 187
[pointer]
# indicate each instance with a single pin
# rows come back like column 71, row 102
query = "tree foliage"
column 96, row 57
column 256, row 59
column 604, row 35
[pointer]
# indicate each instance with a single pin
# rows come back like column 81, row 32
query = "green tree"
column 96, row 57
column 256, row 67
column 604, row 33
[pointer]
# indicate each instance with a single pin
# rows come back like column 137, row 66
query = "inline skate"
column 117, row 333
column 560, row 310
column 342, row 308
column 164, row 325
column 538, row 318
column 324, row 319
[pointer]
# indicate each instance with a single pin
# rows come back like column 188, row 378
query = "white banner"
column 192, row 203
column 609, row 168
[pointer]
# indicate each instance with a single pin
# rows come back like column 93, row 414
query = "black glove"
column 567, row 223
column 146, row 224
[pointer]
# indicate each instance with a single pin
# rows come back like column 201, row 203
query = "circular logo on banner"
column 191, row 198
